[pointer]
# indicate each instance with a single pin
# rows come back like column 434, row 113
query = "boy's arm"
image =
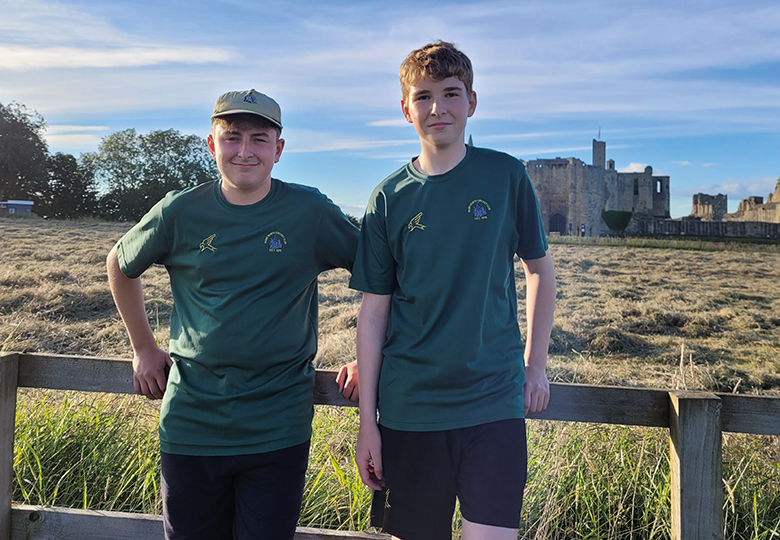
column 371, row 330
column 149, row 361
column 540, row 305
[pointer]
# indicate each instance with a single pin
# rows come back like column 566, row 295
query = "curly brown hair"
column 438, row 60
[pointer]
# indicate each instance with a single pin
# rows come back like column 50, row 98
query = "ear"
column 405, row 110
column 472, row 103
column 279, row 148
column 212, row 148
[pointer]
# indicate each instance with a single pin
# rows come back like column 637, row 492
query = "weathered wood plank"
column 607, row 405
column 9, row 364
column 63, row 372
column 47, row 523
column 759, row 415
column 113, row 375
column 568, row 402
column 696, row 466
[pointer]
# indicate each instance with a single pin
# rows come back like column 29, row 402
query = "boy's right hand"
column 150, row 375
column 369, row 456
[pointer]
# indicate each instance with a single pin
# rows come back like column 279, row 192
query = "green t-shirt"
column 244, row 321
column 444, row 247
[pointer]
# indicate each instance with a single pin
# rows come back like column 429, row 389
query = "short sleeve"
column 533, row 239
column 337, row 239
column 147, row 243
column 375, row 267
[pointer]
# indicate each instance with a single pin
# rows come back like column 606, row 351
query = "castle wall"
column 709, row 207
column 695, row 227
column 752, row 209
column 572, row 194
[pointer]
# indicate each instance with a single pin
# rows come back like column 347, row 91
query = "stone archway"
column 557, row 223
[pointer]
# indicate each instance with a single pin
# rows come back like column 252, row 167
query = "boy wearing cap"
column 438, row 344
column 243, row 254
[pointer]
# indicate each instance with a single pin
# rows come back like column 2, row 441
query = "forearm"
column 129, row 300
column 371, row 330
column 540, row 307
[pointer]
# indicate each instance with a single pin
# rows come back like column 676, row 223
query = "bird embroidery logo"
column 415, row 223
column 206, row 244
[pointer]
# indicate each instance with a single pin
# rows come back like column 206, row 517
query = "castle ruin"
column 752, row 209
column 572, row 195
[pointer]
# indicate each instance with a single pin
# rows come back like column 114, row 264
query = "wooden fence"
column 695, row 421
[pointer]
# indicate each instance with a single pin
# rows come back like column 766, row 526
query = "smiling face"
column 245, row 153
column 439, row 111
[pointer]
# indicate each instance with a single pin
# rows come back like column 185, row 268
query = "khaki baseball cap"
column 248, row 101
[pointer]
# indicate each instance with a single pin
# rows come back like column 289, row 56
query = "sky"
column 689, row 87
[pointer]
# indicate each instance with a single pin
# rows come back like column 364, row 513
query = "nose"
column 244, row 149
column 437, row 108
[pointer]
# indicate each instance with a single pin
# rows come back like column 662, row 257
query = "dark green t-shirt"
column 244, row 321
column 444, row 247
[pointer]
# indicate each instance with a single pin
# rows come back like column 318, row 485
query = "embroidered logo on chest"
column 275, row 241
column 415, row 223
column 206, row 244
column 479, row 209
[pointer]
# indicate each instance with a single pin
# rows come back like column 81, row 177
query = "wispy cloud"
column 60, row 129
column 27, row 58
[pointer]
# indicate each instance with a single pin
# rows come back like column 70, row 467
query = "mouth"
column 244, row 165
column 439, row 125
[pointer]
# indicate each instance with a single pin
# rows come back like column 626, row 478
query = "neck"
column 240, row 197
column 433, row 161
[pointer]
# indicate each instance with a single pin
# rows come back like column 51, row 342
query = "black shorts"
column 483, row 466
column 255, row 496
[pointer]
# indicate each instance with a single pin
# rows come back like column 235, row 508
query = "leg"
column 269, row 491
column 476, row 531
column 197, row 496
column 420, row 485
column 491, row 479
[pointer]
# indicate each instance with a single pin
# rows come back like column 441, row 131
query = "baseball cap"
column 248, row 101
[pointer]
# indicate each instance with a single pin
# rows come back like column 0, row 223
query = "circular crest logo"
column 479, row 209
column 276, row 241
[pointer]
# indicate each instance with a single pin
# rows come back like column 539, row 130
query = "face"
column 245, row 155
column 439, row 110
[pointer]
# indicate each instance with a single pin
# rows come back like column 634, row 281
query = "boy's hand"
column 347, row 379
column 368, row 456
column 536, row 390
column 150, row 372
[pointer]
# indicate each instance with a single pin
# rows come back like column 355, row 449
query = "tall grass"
column 98, row 452
column 585, row 481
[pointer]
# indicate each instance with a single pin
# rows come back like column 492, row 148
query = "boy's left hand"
column 347, row 379
column 536, row 390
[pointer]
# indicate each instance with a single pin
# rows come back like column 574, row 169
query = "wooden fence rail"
column 695, row 421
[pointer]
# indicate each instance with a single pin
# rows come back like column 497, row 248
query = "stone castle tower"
column 572, row 194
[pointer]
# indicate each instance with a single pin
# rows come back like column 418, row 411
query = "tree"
column 70, row 192
column 23, row 152
column 138, row 170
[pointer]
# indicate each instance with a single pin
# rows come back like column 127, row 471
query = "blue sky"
column 691, row 88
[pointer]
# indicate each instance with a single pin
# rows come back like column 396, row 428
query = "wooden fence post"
column 9, row 373
column 696, row 466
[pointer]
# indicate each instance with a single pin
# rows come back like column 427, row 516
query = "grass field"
column 665, row 313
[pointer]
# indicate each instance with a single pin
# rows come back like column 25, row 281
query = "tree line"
column 127, row 175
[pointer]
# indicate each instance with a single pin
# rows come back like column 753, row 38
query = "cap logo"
column 249, row 98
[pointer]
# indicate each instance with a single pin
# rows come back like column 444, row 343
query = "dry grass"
column 668, row 318
column 645, row 316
